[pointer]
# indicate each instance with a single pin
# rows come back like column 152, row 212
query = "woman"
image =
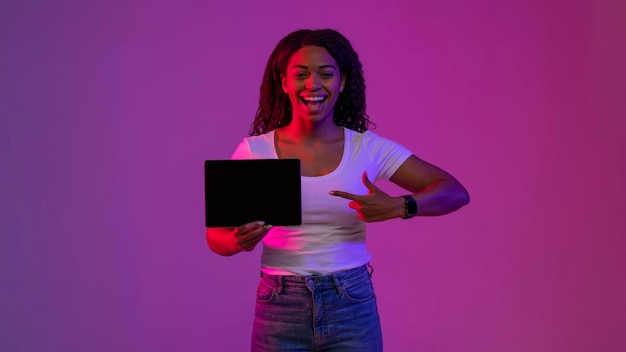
column 315, row 292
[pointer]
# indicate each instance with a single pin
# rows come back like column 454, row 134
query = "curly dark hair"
column 274, row 106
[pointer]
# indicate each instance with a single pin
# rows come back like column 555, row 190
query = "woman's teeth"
column 313, row 99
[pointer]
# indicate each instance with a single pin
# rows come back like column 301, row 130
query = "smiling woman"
column 313, row 83
column 316, row 289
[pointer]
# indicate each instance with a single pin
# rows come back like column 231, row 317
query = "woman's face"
column 313, row 82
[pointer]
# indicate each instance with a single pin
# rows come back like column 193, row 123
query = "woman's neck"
column 298, row 133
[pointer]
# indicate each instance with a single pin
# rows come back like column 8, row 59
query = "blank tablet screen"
column 241, row 191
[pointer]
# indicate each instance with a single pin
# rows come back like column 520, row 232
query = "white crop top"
column 331, row 237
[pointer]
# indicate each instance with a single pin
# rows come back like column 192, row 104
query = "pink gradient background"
column 108, row 110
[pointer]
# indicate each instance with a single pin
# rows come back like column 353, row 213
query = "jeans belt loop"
column 281, row 283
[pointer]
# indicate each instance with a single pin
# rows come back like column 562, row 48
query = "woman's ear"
column 343, row 83
column 282, row 83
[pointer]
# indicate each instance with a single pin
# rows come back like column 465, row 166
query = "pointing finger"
column 345, row 195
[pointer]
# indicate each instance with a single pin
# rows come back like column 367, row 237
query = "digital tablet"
column 241, row 191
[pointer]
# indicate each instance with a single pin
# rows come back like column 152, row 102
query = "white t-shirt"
column 331, row 237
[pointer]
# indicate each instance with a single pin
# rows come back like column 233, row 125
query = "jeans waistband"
column 334, row 279
column 327, row 277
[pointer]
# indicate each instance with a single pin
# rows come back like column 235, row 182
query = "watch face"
column 411, row 207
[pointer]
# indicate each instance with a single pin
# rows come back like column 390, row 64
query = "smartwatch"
column 410, row 207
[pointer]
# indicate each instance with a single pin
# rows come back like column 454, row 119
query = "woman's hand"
column 249, row 235
column 376, row 205
column 229, row 241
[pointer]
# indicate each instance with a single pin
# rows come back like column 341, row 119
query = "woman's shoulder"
column 372, row 142
column 261, row 137
column 257, row 146
column 366, row 137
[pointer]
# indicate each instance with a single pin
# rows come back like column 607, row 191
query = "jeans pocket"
column 265, row 291
column 358, row 291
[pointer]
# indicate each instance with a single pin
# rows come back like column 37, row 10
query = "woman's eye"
column 300, row 75
column 326, row 74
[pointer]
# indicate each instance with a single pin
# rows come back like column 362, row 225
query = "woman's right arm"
column 232, row 240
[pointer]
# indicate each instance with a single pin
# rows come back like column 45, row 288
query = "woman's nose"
column 313, row 82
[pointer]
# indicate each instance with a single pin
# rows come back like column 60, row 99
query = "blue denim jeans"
column 335, row 312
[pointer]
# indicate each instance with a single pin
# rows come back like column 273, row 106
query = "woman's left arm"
column 435, row 191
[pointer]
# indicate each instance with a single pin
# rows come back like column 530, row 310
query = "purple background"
column 108, row 110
